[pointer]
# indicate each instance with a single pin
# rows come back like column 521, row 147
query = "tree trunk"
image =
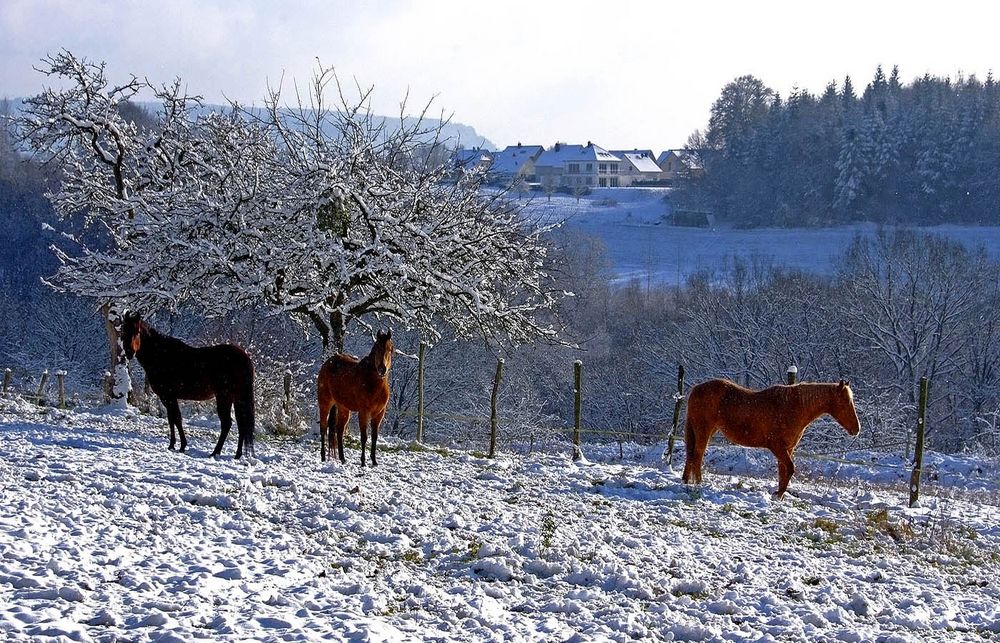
column 120, row 385
column 112, row 331
column 324, row 330
column 338, row 330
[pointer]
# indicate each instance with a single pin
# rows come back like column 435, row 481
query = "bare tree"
column 328, row 215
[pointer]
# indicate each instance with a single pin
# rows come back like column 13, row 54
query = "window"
column 614, row 168
column 602, row 182
column 574, row 168
column 614, row 181
column 602, row 168
column 590, row 167
column 590, row 180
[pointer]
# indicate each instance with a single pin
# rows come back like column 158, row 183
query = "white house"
column 638, row 166
column 515, row 162
column 577, row 166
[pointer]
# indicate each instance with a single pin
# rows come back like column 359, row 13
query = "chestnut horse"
column 347, row 384
column 773, row 419
column 177, row 371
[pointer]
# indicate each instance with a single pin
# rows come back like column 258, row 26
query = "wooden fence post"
column 793, row 373
column 6, row 380
column 577, row 408
column 420, row 392
column 493, row 409
column 61, row 378
column 678, row 400
column 41, row 387
column 918, row 450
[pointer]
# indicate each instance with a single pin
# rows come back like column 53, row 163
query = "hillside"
column 106, row 535
column 642, row 245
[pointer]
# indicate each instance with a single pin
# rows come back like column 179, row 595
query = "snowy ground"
column 642, row 246
column 105, row 535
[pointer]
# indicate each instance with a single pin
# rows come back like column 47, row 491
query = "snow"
column 106, row 535
column 641, row 245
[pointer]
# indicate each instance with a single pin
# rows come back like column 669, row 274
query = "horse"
column 346, row 384
column 178, row 371
column 773, row 419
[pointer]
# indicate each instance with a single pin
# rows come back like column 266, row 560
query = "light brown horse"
column 773, row 419
column 347, row 384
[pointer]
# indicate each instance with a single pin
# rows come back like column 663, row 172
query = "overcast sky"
column 623, row 74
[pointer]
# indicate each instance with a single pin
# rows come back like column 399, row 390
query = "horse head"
column 382, row 352
column 844, row 411
column 133, row 329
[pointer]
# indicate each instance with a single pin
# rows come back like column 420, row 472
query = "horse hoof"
column 171, row 447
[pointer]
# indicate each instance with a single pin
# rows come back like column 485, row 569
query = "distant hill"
column 456, row 134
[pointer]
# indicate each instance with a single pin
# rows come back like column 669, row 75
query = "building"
column 675, row 163
column 515, row 162
column 577, row 167
column 471, row 160
column 637, row 167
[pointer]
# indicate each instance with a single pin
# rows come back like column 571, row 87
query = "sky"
column 630, row 74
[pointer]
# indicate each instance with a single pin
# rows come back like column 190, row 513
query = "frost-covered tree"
column 328, row 215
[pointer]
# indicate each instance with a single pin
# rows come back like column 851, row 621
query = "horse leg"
column 688, row 477
column 363, row 419
column 786, row 467
column 696, row 438
column 341, row 417
column 325, row 407
column 224, row 406
column 243, row 406
column 174, row 420
column 376, row 423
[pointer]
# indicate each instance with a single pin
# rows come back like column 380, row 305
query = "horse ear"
column 388, row 333
column 843, row 383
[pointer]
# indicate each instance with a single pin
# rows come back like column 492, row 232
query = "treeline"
column 926, row 152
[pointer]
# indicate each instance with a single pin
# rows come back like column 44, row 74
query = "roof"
column 511, row 158
column 471, row 158
column 641, row 160
column 561, row 153
column 685, row 156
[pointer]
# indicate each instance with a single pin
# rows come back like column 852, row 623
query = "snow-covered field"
column 641, row 245
column 105, row 535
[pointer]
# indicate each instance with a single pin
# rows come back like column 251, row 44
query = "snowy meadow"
column 106, row 536
column 642, row 246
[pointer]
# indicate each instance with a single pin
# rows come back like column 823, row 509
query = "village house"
column 675, row 163
column 577, row 167
column 637, row 167
column 515, row 163
column 472, row 159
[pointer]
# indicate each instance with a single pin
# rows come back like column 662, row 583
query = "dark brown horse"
column 773, row 419
column 177, row 371
column 347, row 384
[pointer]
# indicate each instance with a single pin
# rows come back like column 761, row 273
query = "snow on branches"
column 330, row 215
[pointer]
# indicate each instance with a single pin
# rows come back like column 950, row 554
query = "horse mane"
column 159, row 340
